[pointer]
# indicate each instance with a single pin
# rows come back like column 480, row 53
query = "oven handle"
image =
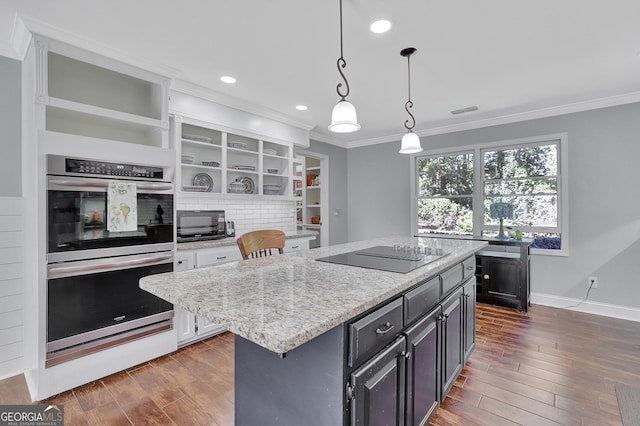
column 102, row 184
column 106, row 265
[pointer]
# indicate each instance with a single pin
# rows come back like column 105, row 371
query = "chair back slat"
column 260, row 243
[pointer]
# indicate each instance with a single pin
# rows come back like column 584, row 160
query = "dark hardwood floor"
column 549, row 366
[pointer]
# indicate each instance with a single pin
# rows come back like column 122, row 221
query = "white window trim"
column 563, row 176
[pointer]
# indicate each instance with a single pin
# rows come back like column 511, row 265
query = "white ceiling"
column 515, row 59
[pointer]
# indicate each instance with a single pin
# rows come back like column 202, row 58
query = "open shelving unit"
column 228, row 161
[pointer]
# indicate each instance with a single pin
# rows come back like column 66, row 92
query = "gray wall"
column 603, row 195
column 337, row 189
column 379, row 193
column 10, row 128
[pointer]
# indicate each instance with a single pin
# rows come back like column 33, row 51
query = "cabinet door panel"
column 422, row 386
column 469, row 290
column 452, row 340
column 379, row 388
column 501, row 276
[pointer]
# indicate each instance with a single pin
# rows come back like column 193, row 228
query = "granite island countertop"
column 283, row 301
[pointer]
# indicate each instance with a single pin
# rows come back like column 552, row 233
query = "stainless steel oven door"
column 95, row 304
column 77, row 223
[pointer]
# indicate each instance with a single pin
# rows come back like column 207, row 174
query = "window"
column 445, row 194
column 524, row 176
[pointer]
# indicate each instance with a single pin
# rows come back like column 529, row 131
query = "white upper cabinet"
column 214, row 162
column 89, row 95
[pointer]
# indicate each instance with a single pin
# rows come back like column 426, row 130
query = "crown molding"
column 18, row 44
column 35, row 26
column 610, row 101
column 202, row 92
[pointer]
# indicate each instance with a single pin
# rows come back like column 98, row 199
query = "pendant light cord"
column 409, row 104
column 341, row 63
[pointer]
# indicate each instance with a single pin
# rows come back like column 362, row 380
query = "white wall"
column 12, row 298
column 604, row 199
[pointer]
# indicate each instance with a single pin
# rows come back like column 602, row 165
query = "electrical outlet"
column 592, row 282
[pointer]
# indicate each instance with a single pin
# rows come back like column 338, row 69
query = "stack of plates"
column 198, row 138
column 271, row 189
column 194, row 188
column 237, row 145
column 187, row 159
column 270, row 151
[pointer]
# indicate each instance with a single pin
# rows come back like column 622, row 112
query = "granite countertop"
column 223, row 242
column 281, row 302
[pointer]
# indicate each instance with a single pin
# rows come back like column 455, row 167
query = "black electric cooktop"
column 400, row 259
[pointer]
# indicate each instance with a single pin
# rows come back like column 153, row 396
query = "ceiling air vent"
column 466, row 109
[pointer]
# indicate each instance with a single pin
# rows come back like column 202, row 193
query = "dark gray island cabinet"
column 388, row 358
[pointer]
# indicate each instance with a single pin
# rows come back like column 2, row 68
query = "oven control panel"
column 104, row 168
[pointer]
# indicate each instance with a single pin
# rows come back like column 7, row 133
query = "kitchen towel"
column 122, row 207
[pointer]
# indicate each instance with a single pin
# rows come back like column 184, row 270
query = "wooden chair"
column 260, row 243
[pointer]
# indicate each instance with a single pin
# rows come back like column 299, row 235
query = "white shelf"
column 219, row 151
column 313, row 205
column 313, row 187
column 311, row 169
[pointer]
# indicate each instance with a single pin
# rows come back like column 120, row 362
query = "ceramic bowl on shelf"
column 272, row 171
column 211, row 163
column 187, row 159
column 236, row 187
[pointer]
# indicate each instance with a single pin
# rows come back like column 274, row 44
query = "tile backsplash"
column 248, row 215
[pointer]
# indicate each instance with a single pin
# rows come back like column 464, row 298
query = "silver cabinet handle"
column 221, row 257
column 470, row 268
column 405, row 354
column 294, row 247
column 386, row 330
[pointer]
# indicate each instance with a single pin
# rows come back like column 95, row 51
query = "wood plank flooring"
column 547, row 367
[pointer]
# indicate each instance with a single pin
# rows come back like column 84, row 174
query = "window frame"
column 478, row 184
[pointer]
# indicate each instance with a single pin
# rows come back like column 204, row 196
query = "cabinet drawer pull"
column 386, row 330
column 406, row 354
column 221, row 257
column 294, row 247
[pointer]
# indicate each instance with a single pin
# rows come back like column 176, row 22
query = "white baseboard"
column 598, row 308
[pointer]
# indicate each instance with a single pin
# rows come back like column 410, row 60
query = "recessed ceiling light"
column 302, row 107
column 227, row 79
column 381, row 26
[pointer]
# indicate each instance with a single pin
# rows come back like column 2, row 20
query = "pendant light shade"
column 410, row 143
column 343, row 116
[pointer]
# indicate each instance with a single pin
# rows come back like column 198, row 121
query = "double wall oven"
column 93, row 297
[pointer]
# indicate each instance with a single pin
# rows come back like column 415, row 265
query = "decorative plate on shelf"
column 198, row 138
column 249, row 185
column 203, row 179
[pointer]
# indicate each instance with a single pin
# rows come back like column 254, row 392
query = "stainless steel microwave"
column 200, row 225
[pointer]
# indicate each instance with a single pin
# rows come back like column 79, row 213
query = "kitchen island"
column 294, row 317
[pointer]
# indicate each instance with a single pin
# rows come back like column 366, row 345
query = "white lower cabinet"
column 191, row 327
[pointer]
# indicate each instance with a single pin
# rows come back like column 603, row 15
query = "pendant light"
column 343, row 116
column 410, row 143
